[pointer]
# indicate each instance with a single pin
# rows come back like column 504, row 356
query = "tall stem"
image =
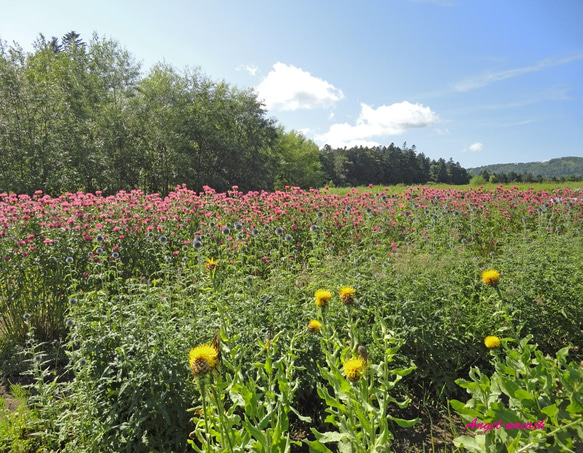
column 205, row 413
column 224, row 429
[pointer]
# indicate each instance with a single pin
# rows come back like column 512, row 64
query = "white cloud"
column 289, row 88
column 491, row 77
column 474, row 147
column 250, row 68
column 378, row 123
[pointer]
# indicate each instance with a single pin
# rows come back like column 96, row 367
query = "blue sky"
column 479, row 81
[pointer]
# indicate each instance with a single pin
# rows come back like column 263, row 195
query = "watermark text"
column 476, row 425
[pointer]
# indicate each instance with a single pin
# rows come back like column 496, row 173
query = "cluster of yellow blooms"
column 206, row 358
column 346, row 295
column 353, row 367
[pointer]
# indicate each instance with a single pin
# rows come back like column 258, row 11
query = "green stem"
column 225, row 430
column 205, row 413
column 499, row 293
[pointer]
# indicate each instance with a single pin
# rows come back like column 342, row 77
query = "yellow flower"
column 314, row 326
column 211, row 264
column 347, row 295
column 203, row 359
column 322, row 297
column 492, row 342
column 491, row 277
column 353, row 368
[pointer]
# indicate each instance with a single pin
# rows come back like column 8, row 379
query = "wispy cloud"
column 520, row 123
column 250, row 68
column 376, row 124
column 289, row 88
column 491, row 77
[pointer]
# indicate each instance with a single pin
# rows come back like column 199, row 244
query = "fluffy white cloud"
column 475, row 147
column 289, row 88
column 379, row 123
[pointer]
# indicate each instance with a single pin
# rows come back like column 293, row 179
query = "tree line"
column 78, row 115
column 387, row 165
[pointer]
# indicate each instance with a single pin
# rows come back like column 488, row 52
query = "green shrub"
column 531, row 402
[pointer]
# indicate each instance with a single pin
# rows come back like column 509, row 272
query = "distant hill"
column 554, row 168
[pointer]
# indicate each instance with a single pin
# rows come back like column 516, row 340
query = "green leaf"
column 525, row 397
column 509, row 386
column 328, row 436
column 463, row 409
column 467, row 384
column 404, row 423
column 551, row 410
column 574, row 407
column 301, row 417
column 317, row 447
column 475, row 444
column 256, row 433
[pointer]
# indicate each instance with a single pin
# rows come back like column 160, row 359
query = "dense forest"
column 78, row 115
column 564, row 168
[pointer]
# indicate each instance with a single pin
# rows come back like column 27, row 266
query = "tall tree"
column 298, row 161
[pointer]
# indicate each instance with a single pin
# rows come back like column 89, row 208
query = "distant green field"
column 400, row 188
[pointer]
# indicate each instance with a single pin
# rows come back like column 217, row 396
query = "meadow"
column 366, row 319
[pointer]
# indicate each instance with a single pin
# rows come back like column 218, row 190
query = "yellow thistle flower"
column 353, row 368
column 314, row 326
column 322, row 297
column 491, row 277
column 492, row 342
column 347, row 295
column 211, row 264
column 203, row 359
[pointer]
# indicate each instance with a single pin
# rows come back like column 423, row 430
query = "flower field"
column 340, row 321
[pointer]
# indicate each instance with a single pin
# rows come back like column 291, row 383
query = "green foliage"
column 77, row 116
column 359, row 408
column 136, row 296
column 130, row 372
column 478, row 180
column 15, row 424
column 258, row 417
column 299, row 161
column 531, row 402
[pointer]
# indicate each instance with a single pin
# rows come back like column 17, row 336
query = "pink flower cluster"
column 41, row 220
